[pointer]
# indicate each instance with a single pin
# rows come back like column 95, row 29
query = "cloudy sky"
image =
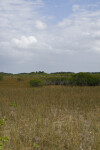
column 49, row 35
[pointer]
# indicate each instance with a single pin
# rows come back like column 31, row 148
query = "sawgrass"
column 50, row 117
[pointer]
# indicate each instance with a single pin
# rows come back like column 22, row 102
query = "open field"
column 50, row 117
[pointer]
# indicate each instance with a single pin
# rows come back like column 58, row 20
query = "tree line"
column 80, row 79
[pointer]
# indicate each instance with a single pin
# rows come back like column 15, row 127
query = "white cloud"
column 75, row 7
column 24, row 42
column 40, row 25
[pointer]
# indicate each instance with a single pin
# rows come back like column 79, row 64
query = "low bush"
column 57, row 80
column 19, row 79
column 36, row 82
column 1, row 77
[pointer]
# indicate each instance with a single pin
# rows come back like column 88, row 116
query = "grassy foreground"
column 51, row 118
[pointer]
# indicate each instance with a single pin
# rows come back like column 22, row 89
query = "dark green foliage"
column 36, row 82
column 1, row 77
column 57, row 80
column 94, row 80
column 84, row 79
column 5, row 74
column 62, row 73
column 19, row 79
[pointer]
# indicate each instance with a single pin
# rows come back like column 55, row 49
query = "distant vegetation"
column 19, row 79
column 84, row 79
column 1, row 77
column 58, row 78
column 36, row 82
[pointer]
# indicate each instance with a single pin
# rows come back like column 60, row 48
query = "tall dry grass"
column 51, row 118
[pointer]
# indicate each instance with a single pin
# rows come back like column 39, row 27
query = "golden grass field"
column 50, row 117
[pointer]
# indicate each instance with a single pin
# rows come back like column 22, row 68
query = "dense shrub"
column 56, row 80
column 94, row 80
column 1, row 77
column 36, row 82
column 19, row 79
column 84, row 79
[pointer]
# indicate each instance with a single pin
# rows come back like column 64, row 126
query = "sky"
column 49, row 35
